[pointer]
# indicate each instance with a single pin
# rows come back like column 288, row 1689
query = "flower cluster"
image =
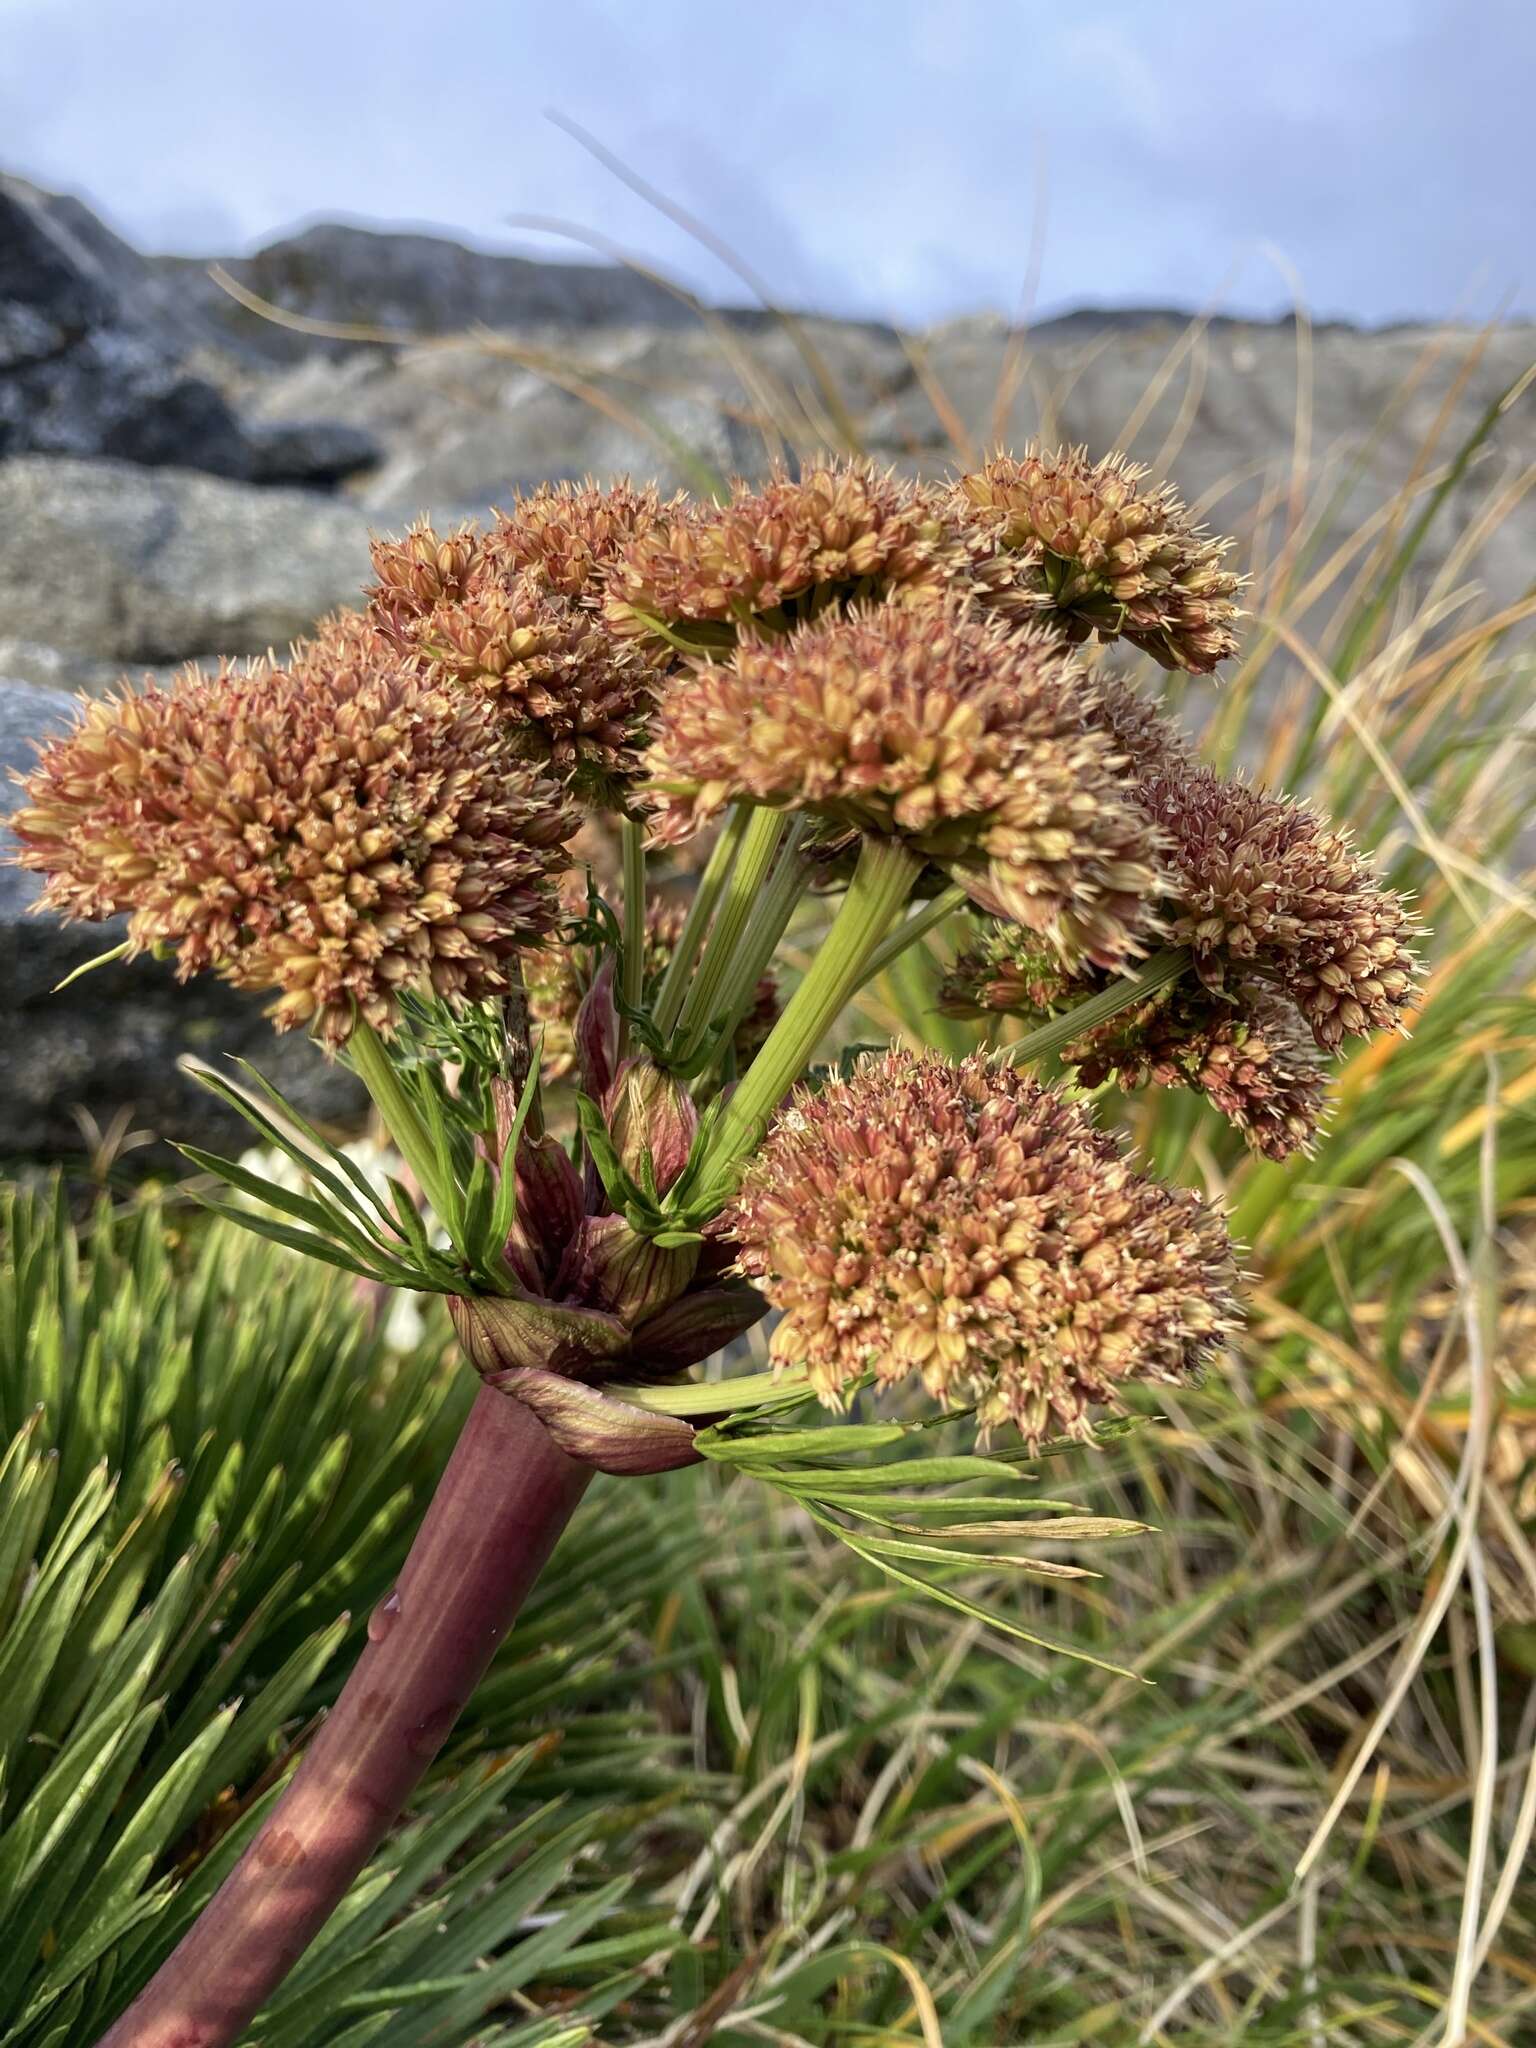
column 389, row 814
column 569, row 536
column 338, row 830
column 968, row 739
column 516, row 613
column 1088, row 548
column 971, row 1227
column 1296, row 944
column 1249, row 1054
column 1245, row 1048
column 1262, row 886
column 840, row 530
column 1266, row 888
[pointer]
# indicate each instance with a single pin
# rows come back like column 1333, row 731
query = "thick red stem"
column 501, row 1504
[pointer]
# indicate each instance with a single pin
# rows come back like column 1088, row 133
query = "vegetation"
column 754, row 1788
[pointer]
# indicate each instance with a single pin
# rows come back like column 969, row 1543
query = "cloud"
column 879, row 157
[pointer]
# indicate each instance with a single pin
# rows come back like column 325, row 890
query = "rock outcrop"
column 98, row 357
column 82, row 370
column 151, row 565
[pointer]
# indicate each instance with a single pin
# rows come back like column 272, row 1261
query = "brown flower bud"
column 627, row 1273
column 652, row 1120
column 695, row 1327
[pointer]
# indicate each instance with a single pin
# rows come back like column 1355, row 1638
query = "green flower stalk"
column 621, row 1152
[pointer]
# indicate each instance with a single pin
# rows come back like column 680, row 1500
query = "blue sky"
column 876, row 156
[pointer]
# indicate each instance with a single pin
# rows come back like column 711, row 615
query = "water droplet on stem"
column 383, row 1618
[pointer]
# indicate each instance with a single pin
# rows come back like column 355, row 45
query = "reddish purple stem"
column 499, row 1508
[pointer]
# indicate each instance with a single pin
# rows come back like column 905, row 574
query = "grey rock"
column 83, row 370
column 467, row 421
column 56, row 668
column 113, row 1039
column 134, row 565
column 409, row 285
column 313, row 452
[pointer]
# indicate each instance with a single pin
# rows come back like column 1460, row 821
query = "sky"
column 887, row 158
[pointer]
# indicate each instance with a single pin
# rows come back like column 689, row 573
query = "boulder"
column 466, row 422
column 111, row 1041
column 56, row 668
column 82, row 370
column 132, row 565
column 408, row 285
column 318, row 453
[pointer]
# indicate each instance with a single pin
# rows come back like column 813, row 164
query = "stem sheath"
column 501, row 1504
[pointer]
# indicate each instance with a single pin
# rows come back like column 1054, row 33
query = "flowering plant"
column 621, row 1152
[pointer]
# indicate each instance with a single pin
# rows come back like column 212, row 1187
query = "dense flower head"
column 842, row 528
column 965, row 737
column 1266, row 889
column 420, row 570
column 1089, row 548
column 1249, row 1053
column 569, row 535
column 512, row 612
column 965, row 1224
column 1145, row 737
column 337, row 830
column 1245, row 1048
column 1261, row 885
